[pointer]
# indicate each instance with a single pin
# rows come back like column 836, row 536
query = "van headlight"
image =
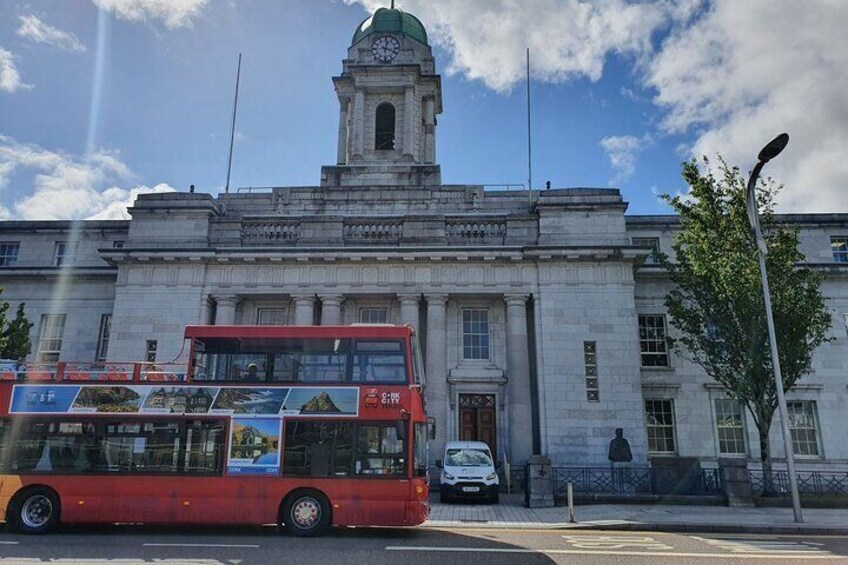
column 447, row 476
column 491, row 476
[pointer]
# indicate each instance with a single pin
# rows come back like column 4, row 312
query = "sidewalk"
column 511, row 513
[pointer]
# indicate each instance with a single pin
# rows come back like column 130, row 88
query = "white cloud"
column 114, row 201
column 487, row 39
column 173, row 13
column 10, row 77
column 70, row 187
column 742, row 72
column 40, row 32
column 622, row 150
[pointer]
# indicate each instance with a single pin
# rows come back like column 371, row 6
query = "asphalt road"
column 160, row 546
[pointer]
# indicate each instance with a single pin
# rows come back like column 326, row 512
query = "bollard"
column 571, row 519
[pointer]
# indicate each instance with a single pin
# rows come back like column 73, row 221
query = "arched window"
column 384, row 137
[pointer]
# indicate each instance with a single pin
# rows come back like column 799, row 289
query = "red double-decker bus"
column 303, row 427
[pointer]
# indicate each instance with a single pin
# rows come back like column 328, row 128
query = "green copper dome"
column 390, row 20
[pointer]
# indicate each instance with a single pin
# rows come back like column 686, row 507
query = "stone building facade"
column 541, row 313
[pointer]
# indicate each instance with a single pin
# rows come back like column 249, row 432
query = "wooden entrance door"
column 477, row 420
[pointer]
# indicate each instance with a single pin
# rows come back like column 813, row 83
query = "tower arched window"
column 384, row 138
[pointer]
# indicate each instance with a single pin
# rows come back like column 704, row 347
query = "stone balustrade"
column 475, row 231
column 375, row 231
column 269, row 232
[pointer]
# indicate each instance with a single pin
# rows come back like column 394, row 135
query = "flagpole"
column 233, row 128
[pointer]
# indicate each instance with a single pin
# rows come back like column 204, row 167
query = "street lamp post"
column 769, row 152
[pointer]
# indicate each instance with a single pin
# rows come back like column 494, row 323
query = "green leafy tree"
column 4, row 307
column 717, row 303
column 14, row 334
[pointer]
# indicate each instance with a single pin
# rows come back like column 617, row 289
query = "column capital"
column 226, row 299
column 409, row 298
column 516, row 299
column 436, row 299
column 310, row 298
column 331, row 298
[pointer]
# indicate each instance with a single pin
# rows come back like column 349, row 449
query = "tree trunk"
column 765, row 458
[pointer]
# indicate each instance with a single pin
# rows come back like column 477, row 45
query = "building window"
column 653, row 243
column 659, row 415
column 384, row 138
column 475, row 334
column 590, row 360
column 730, row 426
column 271, row 317
column 9, row 253
column 373, row 315
column 150, row 350
column 103, row 338
column 117, row 244
column 652, row 342
column 50, row 337
column 66, row 252
column 803, row 428
column 839, row 247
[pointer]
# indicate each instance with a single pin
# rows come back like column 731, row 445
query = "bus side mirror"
column 400, row 430
column 439, row 464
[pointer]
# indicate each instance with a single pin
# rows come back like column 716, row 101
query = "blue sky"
column 103, row 99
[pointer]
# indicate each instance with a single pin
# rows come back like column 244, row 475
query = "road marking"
column 245, row 546
column 615, row 542
column 762, row 545
column 618, row 553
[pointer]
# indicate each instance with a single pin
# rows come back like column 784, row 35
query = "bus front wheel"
column 305, row 513
column 34, row 511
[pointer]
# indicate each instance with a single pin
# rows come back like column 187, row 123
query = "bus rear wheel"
column 305, row 513
column 34, row 511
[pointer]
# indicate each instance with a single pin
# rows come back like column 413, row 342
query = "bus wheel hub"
column 307, row 512
column 36, row 511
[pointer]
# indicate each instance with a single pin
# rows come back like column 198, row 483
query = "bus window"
column 311, row 360
column 421, row 450
column 379, row 450
column 318, row 449
column 140, row 447
column 204, row 447
column 5, row 433
column 417, row 361
column 53, row 447
column 379, row 362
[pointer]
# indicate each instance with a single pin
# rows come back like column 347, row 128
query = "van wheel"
column 495, row 498
column 305, row 513
column 444, row 497
column 34, row 511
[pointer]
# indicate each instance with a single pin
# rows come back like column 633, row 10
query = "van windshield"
column 468, row 458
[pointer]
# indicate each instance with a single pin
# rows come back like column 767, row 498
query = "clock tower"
column 389, row 96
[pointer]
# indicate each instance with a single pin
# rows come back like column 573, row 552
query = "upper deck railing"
column 108, row 372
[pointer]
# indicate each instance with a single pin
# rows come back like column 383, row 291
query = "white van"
column 468, row 472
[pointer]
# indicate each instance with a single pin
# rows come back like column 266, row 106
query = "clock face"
column 385, row 48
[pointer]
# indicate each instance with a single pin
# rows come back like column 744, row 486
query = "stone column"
column 304, row 307
column 359, row 122
column 518, row 375
column 429, row 130
column 344, row 105
column 225, row 315
column 331, row 310
column 408, row 119
column 409, row 309
column 437, row 366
